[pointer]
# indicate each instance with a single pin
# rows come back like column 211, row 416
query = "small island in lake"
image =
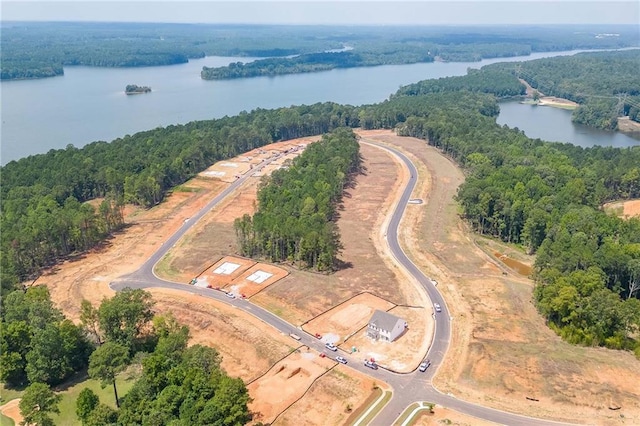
column 133, row 89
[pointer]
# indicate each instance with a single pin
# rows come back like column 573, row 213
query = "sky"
column 335, row 12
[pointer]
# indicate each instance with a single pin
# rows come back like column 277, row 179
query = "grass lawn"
column 357, row 414
column 6, row 421
column 67, row 405
column 7, row 395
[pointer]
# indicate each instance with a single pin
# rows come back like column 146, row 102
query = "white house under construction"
column 385, row 326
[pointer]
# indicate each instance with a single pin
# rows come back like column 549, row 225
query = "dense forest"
column 43, row 49
column 313, row 62
column 40, row 349
column 295, row 220
column 606, row 85
column 545, row 197
column 44, row 213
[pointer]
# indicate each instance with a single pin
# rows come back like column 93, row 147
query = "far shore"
column 552, row 102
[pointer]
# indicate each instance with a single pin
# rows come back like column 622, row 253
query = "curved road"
column 407, row 388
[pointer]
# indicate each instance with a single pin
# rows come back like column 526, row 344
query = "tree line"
column 177, row 384
column 312, row 62
column 296, row 214
column 543, row 196
column 547, row 198
column 45, row 215
column 606, row 85
column 43, row 49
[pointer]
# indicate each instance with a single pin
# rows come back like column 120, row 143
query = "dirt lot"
column 285, row 383
column 624, row 209
column 240, row 276
column 444, row 416
column 395, row 355
column 319, row 407
column 247, row 345
column 255, row 279
column 211, row 278
column 502, row 351
column 632, row 128
column 340, row 322
column 12, row 410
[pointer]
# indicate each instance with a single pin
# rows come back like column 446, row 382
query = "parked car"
column 330, row 346
column 341, row 359
column 231, row 295
column 437, row 307
column 423, row 367
column 370, row 364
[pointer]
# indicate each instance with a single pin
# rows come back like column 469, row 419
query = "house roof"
column 384, row 320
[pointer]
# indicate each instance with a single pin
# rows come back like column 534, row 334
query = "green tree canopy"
column 38, row 400
column 106, row 362
column 126, row 319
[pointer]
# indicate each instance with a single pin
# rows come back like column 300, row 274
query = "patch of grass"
column 67, row 405
column 185, row 188
column 616, row 210
column 355, row 416
column 6, row 421
column 275, row 310
column 405, row 414
column 164, row 269
column 422, row 412
column 7, row 394
column 375, row 394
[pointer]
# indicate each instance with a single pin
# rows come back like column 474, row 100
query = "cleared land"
column 624, row 209
column 319, row 407
column 248, row 346
column 340, row 322
column 501, row 351
column 12, row 410
column 397, row 355
column 285, row 383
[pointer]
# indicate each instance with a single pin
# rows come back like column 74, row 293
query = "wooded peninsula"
column 290, row 49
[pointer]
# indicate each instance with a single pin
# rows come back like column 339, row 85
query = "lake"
column 554, row 125
column 88, row 104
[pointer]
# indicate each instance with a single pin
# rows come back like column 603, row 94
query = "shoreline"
column 552, row 102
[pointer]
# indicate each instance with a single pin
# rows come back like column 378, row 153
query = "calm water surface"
column 88, row 104
column 554, row 125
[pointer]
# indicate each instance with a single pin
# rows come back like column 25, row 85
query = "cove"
column 555, row 125
column 88, row 104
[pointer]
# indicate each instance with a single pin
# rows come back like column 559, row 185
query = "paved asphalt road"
column 407, row 388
